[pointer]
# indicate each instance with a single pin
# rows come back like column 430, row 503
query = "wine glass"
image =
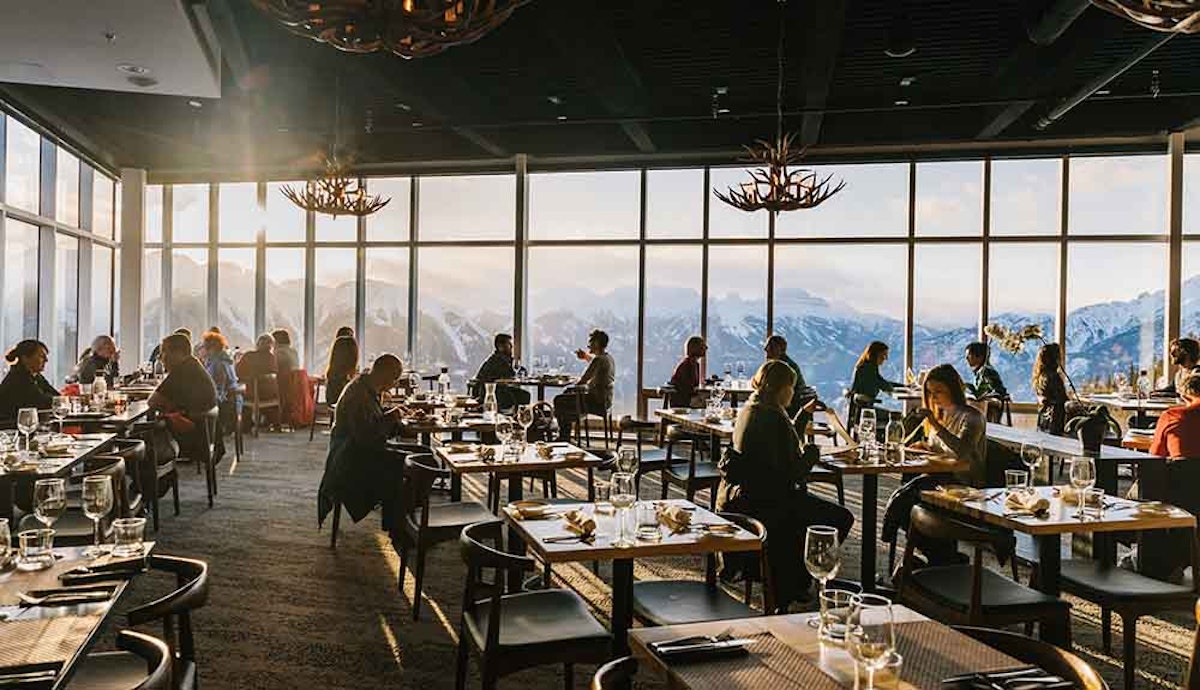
column 894, row 435
column 627, row 461
column 27, row 422
column 871, row 633
column 97, row 499
column 623, row 497
column 525, row 419
column 741, row 370
column 504, row 433
column 561, row 363
column 866, row 428
column 822, row 556
column 1083, row 477
column 60, row 407
column 1031, row 457
column 49, row 500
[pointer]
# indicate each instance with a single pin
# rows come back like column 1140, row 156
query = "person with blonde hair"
column 99, row 360
column 764, row 474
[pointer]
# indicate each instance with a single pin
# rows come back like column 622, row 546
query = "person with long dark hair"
column 343, row 366
column 868, row 382
column 686, row 377
column 286, row 357
column 24, row 385
column 951, row 425
column 1185, row 355
column 1049, row 387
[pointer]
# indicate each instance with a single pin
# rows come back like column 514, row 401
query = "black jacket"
column 22, row 388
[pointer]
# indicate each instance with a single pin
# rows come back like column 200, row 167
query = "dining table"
column 1048, row 527
column 550, row 540
column 49, row 642
column 134, row 411
column 785, row 651
column 718, row 428
column 540, row 382
column 426, row 426
column 61, row 464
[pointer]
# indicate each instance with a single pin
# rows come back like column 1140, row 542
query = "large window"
column 725, row 220
column 675, row 203
column 464, row 299
column 239, row 219
column 102, row 205
column 152, row 300
column 339, row 229
column 235, row 291
column 1026, row 197
column 673, row 301
column 737, row 305
column 385, row 327
column 468, row 207
column 102, row 291
column 1022, row 290
column 390, row 223
column 946, row 304
column 563, row 309
column 1118, row 195
column 22, row 158
column 949, row 199
column 20, row 308
column 832, row 300
column 335, row 295
column 66, row 187
column 64, row 347
column 189, row 213
column 154, row 213
column 885, row 185
column 189, row 291
column 285, row 221
column 285, row 293
column 585, row 205
column 1191, row 194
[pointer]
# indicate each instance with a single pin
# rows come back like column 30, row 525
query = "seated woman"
column 253, row 369
column 343, row 366
column 868, row 382
column 686, row 378
column 24, row 385
column 1050, row 390
column 763, row 476
column 286, row 356
column 99, row 360
column 219, row 365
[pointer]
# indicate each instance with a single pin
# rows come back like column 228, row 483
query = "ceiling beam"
column 233, row 48
column 824, row 24
column 597, row 57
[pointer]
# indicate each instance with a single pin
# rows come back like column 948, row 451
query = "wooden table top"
column 786, row 653
column 529, row 461
column 1139, row 442
column 547, row 380
column 1118, row 517
column 694, row 419
column 1060, row 446
column 432, row 424
column 51, row 636
column 696, row 541
column 134, row 411
column 86, row 446
column 1153, row 404
column 847, row 461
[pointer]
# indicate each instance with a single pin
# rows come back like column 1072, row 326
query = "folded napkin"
column 1026, row 502
column 675, row 518
column 1069, row 494
column 487, row 453
column 579, row 523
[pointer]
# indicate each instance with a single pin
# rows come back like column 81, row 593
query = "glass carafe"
column 490, row 406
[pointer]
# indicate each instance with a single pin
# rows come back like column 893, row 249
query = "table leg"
column 870, row 514
column 1049, row 569
column 622, row 605
column 1104, row 546
column 456, row 487
column 1154, row 546
column 515, row 543
column 541, row 392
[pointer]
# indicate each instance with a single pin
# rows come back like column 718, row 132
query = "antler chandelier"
column 408, row 28
column 336, row 192
column 774, row 185
column 1176, row 16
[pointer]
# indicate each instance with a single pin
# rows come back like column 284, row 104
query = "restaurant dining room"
column 722, row 345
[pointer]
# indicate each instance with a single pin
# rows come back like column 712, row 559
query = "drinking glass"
column 5, row 542
column 893, row 433
column 27, row 422
column 727, row 369
column 603, row 497
column 525, row 419
column 97, row 498
column 1083, row 477
column 36, row 549
column 561, row 363
column 504, row 434
column 128, row 534
column 1031, row 456
column 647, row 522
column 822, row 553
column 741, row 371
column 627, row 461
column 834, row 613
column 871, row 634
column 60, row 407
column 1015, row 480
column 623, row 498
column 866, row 428
column 49, row 500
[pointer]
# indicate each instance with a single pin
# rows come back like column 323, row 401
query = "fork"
column 72, row 597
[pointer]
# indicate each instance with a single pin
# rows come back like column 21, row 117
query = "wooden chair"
column 320, row 407
column 821, row 475
column 644, row 432
column 615, row 674
column 970, row 594
column 583, row 436
column 512, row 632
column 673, row 602
column 142, row 662
column 258, row 404
column 425, row 525
column 1051, row 659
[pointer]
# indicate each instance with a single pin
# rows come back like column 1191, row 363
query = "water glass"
column 822, row 554
column 5, row 542
column 1083, row 477
column 1016, row 481
column 647, row 522
column 1031, row 457
column 627, row 461
column 866, row 428
column 623, row 499
column 894, row 435
column 128, row 534
column 1093, row 504
column 887, row 677
column 836, row 605
column 37, row 549
column 97, row 498
column 27, row 422
column 603, row 497
column 871, row 633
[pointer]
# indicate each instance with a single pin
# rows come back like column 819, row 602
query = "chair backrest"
column 1044, row 655
column 257, row 385
column 615, row 674
column 420, row 472
column 156, row 654
column 1193, row 672
column 175, row 608
column 544, row 422
column 134, row 453
column 481, row 545
column 759, row 530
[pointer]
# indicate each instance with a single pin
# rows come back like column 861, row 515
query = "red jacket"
column 1177, row 434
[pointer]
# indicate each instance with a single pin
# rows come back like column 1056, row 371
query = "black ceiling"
column 638, row 77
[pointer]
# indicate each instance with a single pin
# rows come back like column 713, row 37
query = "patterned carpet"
column 289, row 612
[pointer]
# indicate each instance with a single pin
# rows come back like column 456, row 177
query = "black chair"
column 970, row 594
column 158, row 473
column 142, row 662
column 512, row 632
column 174, row 611
column 644, row 432
column 260, row 404
column 425, row 525
column 202, row 450
column 320, row 407
column 698, row 475
column 673, row 602
column 615, row 674
column 1051, row 659
column 582, row 435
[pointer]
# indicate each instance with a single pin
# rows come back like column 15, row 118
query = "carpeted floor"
column 287, row 611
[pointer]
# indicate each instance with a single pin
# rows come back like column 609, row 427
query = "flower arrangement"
column 1012, row 340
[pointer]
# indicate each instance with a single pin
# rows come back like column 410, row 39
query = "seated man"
column 686, row 378
column 499, row 365
column 599, row 377
column 185, row 395
column 1177, row 433
column 360, row 471
column 988, row 385
column 776, row 348
column 1177, row 436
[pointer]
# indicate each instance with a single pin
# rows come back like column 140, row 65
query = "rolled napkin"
column 487, row 453
column 1069, row 494
column 579, row 523
column 675, row 518
column 1026, row 502
column 544, row 451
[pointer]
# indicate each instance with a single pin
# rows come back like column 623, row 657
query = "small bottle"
column 443, row 382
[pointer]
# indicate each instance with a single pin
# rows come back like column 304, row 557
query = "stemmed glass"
column 1031, row 456
column 741, row 371
column 49, row 500
column 60, row 407
column 627, row 461
column 561, row 363
column 727, row 369
column 504, row 434
column 822, row 556
column 525, row 419
column 866, row 429
column 27, row 422
column 1083, row 477
column 623, row 499
column 97, row 498
column 871, row 633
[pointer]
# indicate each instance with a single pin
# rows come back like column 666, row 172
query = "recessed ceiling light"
column 1103, row 92
column 901, row 101
column 130, row 68
column 195, row 104
column 556, row 100
column 142, row 80
column 418, row 124
column 721, row 90
column 907, row 81
column 404, row 106
column 282, row 130
column 561, row 117
column 722, row 111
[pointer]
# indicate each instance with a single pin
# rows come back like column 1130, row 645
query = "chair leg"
column 419, row 575
column 460, row 668
column 1106, row 630
column 154, row 503
column 175, row 490
column 337, row 519
column 312, row 427
column 1129, row 637
column 208, row 484
column 591, row 485
column 568, row 676
column 402, row 568
column 841, row 489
